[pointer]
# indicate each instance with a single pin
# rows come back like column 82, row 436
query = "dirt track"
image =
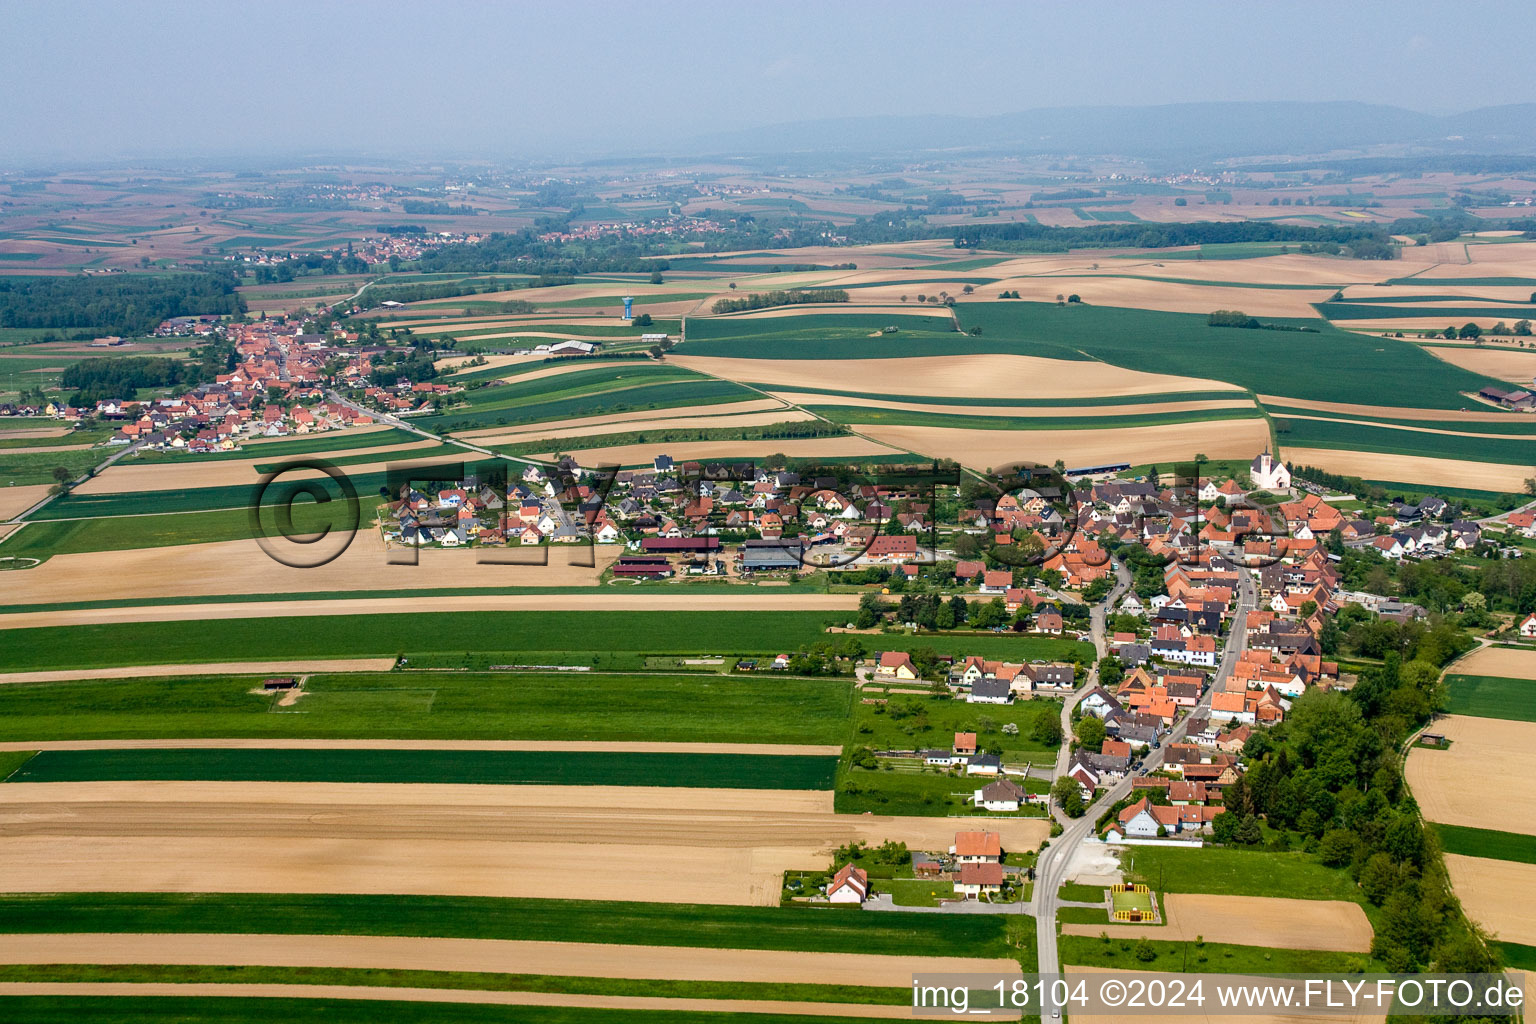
column 1500, row 895
column 1249, row 921
column 987, row 376
column 749, row 599
column 490, row 956
column 1485, row 476
column 449, row 995
column 1481, row 749
column 577, row 842
column 980, row 449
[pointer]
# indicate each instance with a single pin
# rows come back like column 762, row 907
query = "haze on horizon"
column 138, row 80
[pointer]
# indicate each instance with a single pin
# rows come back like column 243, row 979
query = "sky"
column 123, row 79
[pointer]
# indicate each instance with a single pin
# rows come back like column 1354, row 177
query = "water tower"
column 629, row 304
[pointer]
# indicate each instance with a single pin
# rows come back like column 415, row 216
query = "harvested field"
column 998, row 376
column 7, row 434
column 1500, row 895
column 1475, row 413
column 794, row 448
column 617, row 843
column 231, row 668
column 6, row 529
column 16, row 500
column 242, row 567
column 1481, row 748
column 1483, row 476
column 638, row 415
column 1217, row 1018
column 982, row 448
column 1515, row 365
column 1022, row 412
column 748, row 599
column 1249, row 921
column 565, row 429
column 389, row 994
column 125, row 476
column 1508, row 662
column 813, row 309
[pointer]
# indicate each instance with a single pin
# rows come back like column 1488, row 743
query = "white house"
column 1528, row 627
column 977, row 848
column 1002, row 795
column 979, row 879
column 849, row 885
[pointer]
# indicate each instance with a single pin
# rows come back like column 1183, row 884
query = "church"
column 1269, row 473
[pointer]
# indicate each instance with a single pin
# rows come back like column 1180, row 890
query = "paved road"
column 1051, row 869
column 1099, row 616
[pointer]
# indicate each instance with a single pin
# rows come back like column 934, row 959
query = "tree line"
column 120, row 377
column 127, row 305
column 764, row 300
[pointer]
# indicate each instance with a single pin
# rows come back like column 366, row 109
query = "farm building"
column 771, row 555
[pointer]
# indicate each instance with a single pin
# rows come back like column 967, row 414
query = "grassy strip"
column 592, row 403
column 1492, row 697
column 20, row 467
column 770, row 434
column 446, row 767
column 1514, row 423
column 234, row 1010
column 463, row 980
column 1484, row 842
column 1209, row 957
column 12, row 760
column 1516, row 956
column 445, row 452
column 800, row 928
column 1361, row 311
column 439, row 705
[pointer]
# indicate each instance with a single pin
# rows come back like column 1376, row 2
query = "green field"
column 345, row 636
column 1237, row 872
column 1324, row 366
column 20, row 467
column 310, row 444
column 1209, row 957
column 447, row 767
column 1513, row 423
column 1483, row 842
column 439, row 705
column 1108, row 402
column 1451, row 314
column 492, row 407
column 652, row 924
column 1295, row 432
column 1492, row 697
column 822, row 336
column 915, row 722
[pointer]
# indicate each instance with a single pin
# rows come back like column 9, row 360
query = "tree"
column 1144, row 951
column 63, row 474
column 1523, row 327
column 1069, row 795
column 1074, row 298
column 1046, row 730
column 1470, row 330
column 1337, row 847
column 655, row 277
column 968, row 289
column 643, row 320
column 1061, row 300
column 1090, row 732
column 1248, row 833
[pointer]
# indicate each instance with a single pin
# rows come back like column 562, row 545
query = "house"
column 896, row 665
column 965, row 744
column 990, row 691
column 849, row 885
column 978, row 848
column 976, row 880
column 1002, row 795
column 1528, row 627
column 996, row 581
column 984, row 764
column 1048, row 622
